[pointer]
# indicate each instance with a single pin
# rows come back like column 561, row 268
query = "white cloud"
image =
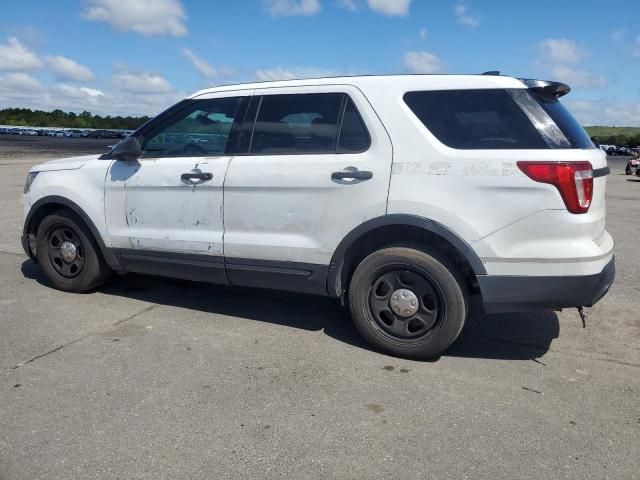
column 15, row 56
column 90, row 96
column 281, row 73
column 561, row 50
column 77, row 99
column 576, row 77
column 20, row 82
column 618, row 35
column 605, row 112
column 140, row 82
column 561, row 59
column 464, row 16
column 348, row 5
column 424, row 62
column 288, row 8
column 391, row 8
column 423, row 33
column 91, row 92
column 635, row 48
column 204, row 68
column 66, row 69
column 146, row 17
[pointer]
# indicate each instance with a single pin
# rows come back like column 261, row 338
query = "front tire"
column 407, row 303
column 68, row 254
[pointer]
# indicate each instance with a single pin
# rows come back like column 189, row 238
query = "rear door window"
column 354, row 136
column 297, row 124
column 475, row 119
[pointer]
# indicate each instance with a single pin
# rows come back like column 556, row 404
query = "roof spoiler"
column 547, row 87
column 544, row 87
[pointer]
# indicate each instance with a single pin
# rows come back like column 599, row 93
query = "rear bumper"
column 508, row 293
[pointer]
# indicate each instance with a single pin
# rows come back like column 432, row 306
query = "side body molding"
column 107, row 253
column 335, row 280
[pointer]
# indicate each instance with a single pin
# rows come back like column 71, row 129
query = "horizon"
column 139, row 57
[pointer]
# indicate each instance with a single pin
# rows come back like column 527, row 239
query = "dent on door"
column 169, row 206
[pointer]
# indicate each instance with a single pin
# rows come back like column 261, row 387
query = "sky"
column 136, row 57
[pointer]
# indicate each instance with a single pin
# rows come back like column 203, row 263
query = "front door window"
column 202, row 129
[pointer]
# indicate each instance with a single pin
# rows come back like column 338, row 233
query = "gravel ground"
column 153, row 378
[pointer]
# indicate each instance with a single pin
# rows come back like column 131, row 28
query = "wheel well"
column 389, row 235
column 49, row 207
column 41, row 213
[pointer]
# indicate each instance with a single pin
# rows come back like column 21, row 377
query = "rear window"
column 475, row 119
column 574, row 132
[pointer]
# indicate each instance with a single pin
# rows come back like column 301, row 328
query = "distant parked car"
column 618, row 151
column 96, row 134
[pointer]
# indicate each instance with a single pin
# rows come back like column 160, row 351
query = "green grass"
column 612, row 131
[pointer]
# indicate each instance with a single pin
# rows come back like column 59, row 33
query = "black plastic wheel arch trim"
column 109, row 256
column 334, row 280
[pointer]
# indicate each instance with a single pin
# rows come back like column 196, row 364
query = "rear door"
column 316, row 166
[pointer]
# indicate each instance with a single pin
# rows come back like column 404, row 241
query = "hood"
column 71, row 163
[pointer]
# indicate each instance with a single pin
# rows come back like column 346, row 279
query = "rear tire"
column 68, row 253
column 407, row 303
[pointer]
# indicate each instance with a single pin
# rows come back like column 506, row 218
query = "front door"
column 166, row 207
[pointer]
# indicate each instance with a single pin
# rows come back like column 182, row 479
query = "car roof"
column 394, row 81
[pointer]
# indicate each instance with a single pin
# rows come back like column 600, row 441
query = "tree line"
column 38, row 118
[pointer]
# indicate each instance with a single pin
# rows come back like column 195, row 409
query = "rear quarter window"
column 475, row 119
column 572, row 130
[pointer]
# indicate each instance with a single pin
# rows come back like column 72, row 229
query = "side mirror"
column 127, row 150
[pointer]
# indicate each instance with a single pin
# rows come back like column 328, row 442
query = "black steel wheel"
column 407, row 302
column 68, row 253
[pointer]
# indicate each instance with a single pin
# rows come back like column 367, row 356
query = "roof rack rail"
column 495, row 73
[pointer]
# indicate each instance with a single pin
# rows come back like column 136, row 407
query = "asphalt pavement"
column 153, row 378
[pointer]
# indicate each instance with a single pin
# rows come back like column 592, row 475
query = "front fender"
column 45, row 204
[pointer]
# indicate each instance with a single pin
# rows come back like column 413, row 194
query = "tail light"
column 574, row 181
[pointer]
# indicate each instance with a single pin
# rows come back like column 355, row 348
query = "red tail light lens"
column 574, row 181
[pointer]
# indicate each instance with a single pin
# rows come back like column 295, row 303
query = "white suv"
column 402, row 195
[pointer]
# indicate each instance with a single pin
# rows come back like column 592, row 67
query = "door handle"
column 202, row 176
column 356, row 174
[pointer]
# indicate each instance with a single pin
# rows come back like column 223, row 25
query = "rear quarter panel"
column 477, row 193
